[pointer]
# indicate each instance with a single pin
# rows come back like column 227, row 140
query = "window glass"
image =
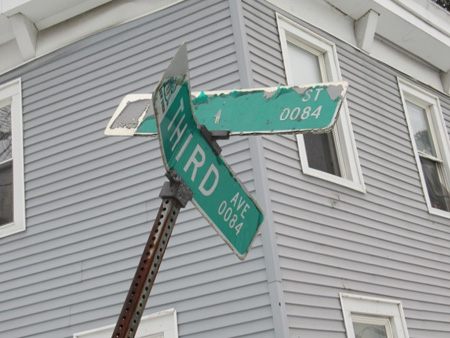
column 437, row 192
column 6, row 175
column 5, row 133
column 321, row 153
column 363, row 330
column 421, row 129
column 304, row 64
column 6, row 194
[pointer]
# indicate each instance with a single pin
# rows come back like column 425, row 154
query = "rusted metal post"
column 175, row 195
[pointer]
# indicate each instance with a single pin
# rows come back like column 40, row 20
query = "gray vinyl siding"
column 331, row 239
column 91, row 199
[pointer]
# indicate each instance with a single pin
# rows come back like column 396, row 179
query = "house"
column 356, row 236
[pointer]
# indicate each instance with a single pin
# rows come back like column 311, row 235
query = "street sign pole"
column 175, row 194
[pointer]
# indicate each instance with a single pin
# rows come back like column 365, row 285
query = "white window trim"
column 161, row 324
column 345, row 143
column 418, row 96
column 355, row 306
column 11, row 93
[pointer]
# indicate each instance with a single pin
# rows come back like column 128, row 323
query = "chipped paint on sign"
column 275, row 110
column 296, row 109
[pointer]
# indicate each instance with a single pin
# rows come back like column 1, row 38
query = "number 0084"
column 297, row 114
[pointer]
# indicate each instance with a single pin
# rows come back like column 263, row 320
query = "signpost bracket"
column 176, row 188
column 214, row 135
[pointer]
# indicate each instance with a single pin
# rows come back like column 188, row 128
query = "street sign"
column 272, row 110
column 217, row 193
column 130, row 113
column 293, row 109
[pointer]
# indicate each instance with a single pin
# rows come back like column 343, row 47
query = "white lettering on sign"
column 197, row 158
column 178, row 132
column 234, row 212
column 309, row 92
column 212, row 170
column 297, row 114
column 196, row 161
column 240, row 204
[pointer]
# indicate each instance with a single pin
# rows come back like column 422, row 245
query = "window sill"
column 438, row 212
column 11, row 229
column 360, row 187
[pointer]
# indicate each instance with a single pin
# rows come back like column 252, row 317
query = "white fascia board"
column 111, row 14
column 421, row 30
column 321, row 14
column 428, row 12
column 10, row 7
column 46, row 13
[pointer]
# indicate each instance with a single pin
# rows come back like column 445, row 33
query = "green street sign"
column 295, row 109
column 278, row 110
column 217, row 193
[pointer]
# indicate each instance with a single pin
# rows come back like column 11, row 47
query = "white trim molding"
column 162, row 324
column 11, row 94
column 372, row 310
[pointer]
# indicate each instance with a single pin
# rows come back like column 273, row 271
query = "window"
column 159, row 325
column 12, row 213
column 309, row 59
column 367, row 317
column 431, row 146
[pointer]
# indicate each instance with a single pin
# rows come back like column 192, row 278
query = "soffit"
column 42, row 13
column 417, row 26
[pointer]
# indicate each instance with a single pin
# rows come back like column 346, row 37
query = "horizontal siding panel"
column 355, row 286
column 263, row 44
column 375, row 243
column 362, row 74
column 347, row 207
column 359, row 265
column 370, row 202
column 365, row 116
column 317, row 327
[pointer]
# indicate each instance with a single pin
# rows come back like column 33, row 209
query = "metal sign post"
column 175, row 195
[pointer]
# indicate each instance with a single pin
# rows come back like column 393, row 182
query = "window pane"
column 304, row 65
column 363, row 330
column 321, row 153
column 320, row 148
column 421, row 129
column 439, row 196
column 5, row 133
column 6, row 193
